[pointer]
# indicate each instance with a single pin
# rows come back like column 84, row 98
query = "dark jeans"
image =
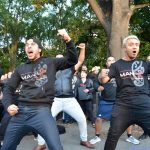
column 1, row 110
column 4, row 124
column 86, row 106
column 67, row 117
column 32, row 118
column 122, row 118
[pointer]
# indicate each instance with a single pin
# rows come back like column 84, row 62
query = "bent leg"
column 14, row 133
column 143, row 120
column 45, row 125
column 55, row 109
column 121, row 119
column 74, row 110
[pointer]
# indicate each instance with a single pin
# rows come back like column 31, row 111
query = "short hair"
column 85, row 71
column 111, row 57
column 125, row 40
column 37, row 41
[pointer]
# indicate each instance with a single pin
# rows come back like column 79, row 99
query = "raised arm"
column 71, row 57
column 64, row 35
column 81, row 56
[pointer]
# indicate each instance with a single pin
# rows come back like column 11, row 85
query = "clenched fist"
column 63, row 33
column 81, row 46
column 12, row 110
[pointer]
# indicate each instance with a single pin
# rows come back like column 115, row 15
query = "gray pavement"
column 70, row 140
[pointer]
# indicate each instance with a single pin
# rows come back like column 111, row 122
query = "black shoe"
column 143, row 137
column 61, row 129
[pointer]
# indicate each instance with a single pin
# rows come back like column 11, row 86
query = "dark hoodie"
column 37, row 78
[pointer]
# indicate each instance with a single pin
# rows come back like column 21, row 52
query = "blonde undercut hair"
column 125, row 40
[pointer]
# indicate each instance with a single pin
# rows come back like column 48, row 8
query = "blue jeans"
column 32, row 118
column 122, row 118
column 4, row 124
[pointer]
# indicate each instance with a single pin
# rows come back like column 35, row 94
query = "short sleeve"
column 112, row 71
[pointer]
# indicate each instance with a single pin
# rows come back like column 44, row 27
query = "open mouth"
column 30, row 52
column 134, row 52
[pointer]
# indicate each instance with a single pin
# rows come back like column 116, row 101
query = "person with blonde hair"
column 132, row 105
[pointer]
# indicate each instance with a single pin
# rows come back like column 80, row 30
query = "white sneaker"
column 95, row 140
column 132, row 140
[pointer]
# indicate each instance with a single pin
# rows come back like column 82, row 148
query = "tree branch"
column 134, row 7
column 100, row 15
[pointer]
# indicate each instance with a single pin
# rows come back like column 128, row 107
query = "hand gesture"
column 86, row 90
column 100, row 88
column 12, row 110
column 81, row 46
column 63, row 33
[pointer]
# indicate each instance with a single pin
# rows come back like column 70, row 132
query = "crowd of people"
column 37, row 91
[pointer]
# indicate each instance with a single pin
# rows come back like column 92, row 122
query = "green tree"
column 15, row 18
column 139, row 25
column 42, row 18
column 115, row 15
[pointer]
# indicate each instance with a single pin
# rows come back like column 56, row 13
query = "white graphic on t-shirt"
column 41, row 77
column 137, row 72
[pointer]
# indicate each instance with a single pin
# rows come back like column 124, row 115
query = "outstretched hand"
column 63, row 33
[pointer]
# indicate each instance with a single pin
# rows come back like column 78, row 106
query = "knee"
column 98, row 120
column 81, row 120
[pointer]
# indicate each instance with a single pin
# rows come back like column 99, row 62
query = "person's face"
column 110, row 60
column 84, row 68
column 32, row 50
column 132, row 48
column 83, row 74
column 96, row 71
column 148, row 58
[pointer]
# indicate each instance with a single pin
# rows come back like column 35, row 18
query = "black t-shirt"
column 109, row 92
column 132, row 82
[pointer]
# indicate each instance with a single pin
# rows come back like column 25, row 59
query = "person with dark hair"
column 132, row 105
column 106, row 103
column 84, row 94
column 96, row 94
column 37, row 77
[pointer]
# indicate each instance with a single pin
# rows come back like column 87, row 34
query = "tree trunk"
column 121, row 15
column 115, row 35
column 13, row 54
column 117, row 28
